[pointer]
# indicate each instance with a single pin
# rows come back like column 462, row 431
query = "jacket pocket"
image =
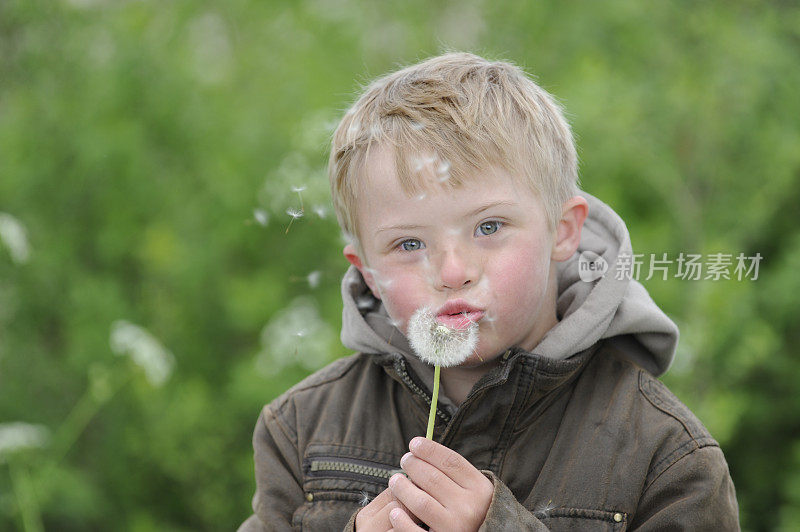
column 579, row 519
column 339, row 479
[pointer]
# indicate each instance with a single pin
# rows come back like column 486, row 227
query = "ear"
column 352, row 257
column 568, row 230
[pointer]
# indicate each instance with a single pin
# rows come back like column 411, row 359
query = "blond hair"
column 469, row 113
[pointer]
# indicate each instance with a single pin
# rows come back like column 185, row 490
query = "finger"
column 431, row 480
column 402, row 522
column 446, row 460
column 417, row 501
column 378, row 503
column 378, row 520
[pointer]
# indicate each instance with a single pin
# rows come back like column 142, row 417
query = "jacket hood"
column 612, row 308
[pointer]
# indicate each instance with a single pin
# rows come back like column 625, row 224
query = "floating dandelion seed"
column 298, row 190
column 294, row 213
column 320, row 211
column 295, row 335
column 261, row 217
column 365, row 498
column 313, row 278
column 365, row 302
column 443, row 171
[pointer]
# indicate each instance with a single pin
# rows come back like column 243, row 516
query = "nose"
column 457, row 269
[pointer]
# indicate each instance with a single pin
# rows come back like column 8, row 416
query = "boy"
column 456, row 180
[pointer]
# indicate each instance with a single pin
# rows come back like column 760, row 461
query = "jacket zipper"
column 358, row 467
column 399, row 367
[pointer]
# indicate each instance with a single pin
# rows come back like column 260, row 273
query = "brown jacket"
column 576, row 435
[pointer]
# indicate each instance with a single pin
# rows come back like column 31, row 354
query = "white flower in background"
column 14, row 236
column 17, row 436
column 437, row 344
column 296, row 334
column 147, row 352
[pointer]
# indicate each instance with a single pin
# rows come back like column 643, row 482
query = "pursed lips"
column 458, row 314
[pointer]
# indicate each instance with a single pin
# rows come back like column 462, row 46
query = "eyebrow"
column 403, row 227
column 475, row 212
column 491, row 205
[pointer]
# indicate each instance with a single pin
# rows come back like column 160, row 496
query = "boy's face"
column 483, row 252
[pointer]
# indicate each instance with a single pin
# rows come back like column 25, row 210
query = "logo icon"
column 591, row 266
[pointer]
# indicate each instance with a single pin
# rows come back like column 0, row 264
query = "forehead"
column 382, row 195
column 387, row 171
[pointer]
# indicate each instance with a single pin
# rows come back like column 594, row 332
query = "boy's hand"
column 375, row 515
column 443, row 489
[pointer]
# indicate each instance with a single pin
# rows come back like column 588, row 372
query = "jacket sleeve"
column 505, row 512
column 693, row 493
column 279, row 489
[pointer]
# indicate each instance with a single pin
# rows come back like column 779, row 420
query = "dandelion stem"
column 434, row 399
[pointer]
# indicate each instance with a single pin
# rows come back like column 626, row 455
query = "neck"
column 457, row 382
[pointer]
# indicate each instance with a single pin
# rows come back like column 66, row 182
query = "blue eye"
column 412, row 244
column 488, row 228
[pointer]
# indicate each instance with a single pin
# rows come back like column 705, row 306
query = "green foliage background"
column 141, row 140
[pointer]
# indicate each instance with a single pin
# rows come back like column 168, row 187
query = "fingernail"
column 404, row 458
column 415, row 444
column 393, row 480
column 394, row 515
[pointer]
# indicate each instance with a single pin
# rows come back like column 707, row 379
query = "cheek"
column 520, row 280
column 402, row 295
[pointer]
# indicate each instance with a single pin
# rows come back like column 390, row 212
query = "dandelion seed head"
column 295, row 213
column 437, row 344
column 299, row 189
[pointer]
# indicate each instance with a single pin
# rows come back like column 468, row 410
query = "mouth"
column 458, row 314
